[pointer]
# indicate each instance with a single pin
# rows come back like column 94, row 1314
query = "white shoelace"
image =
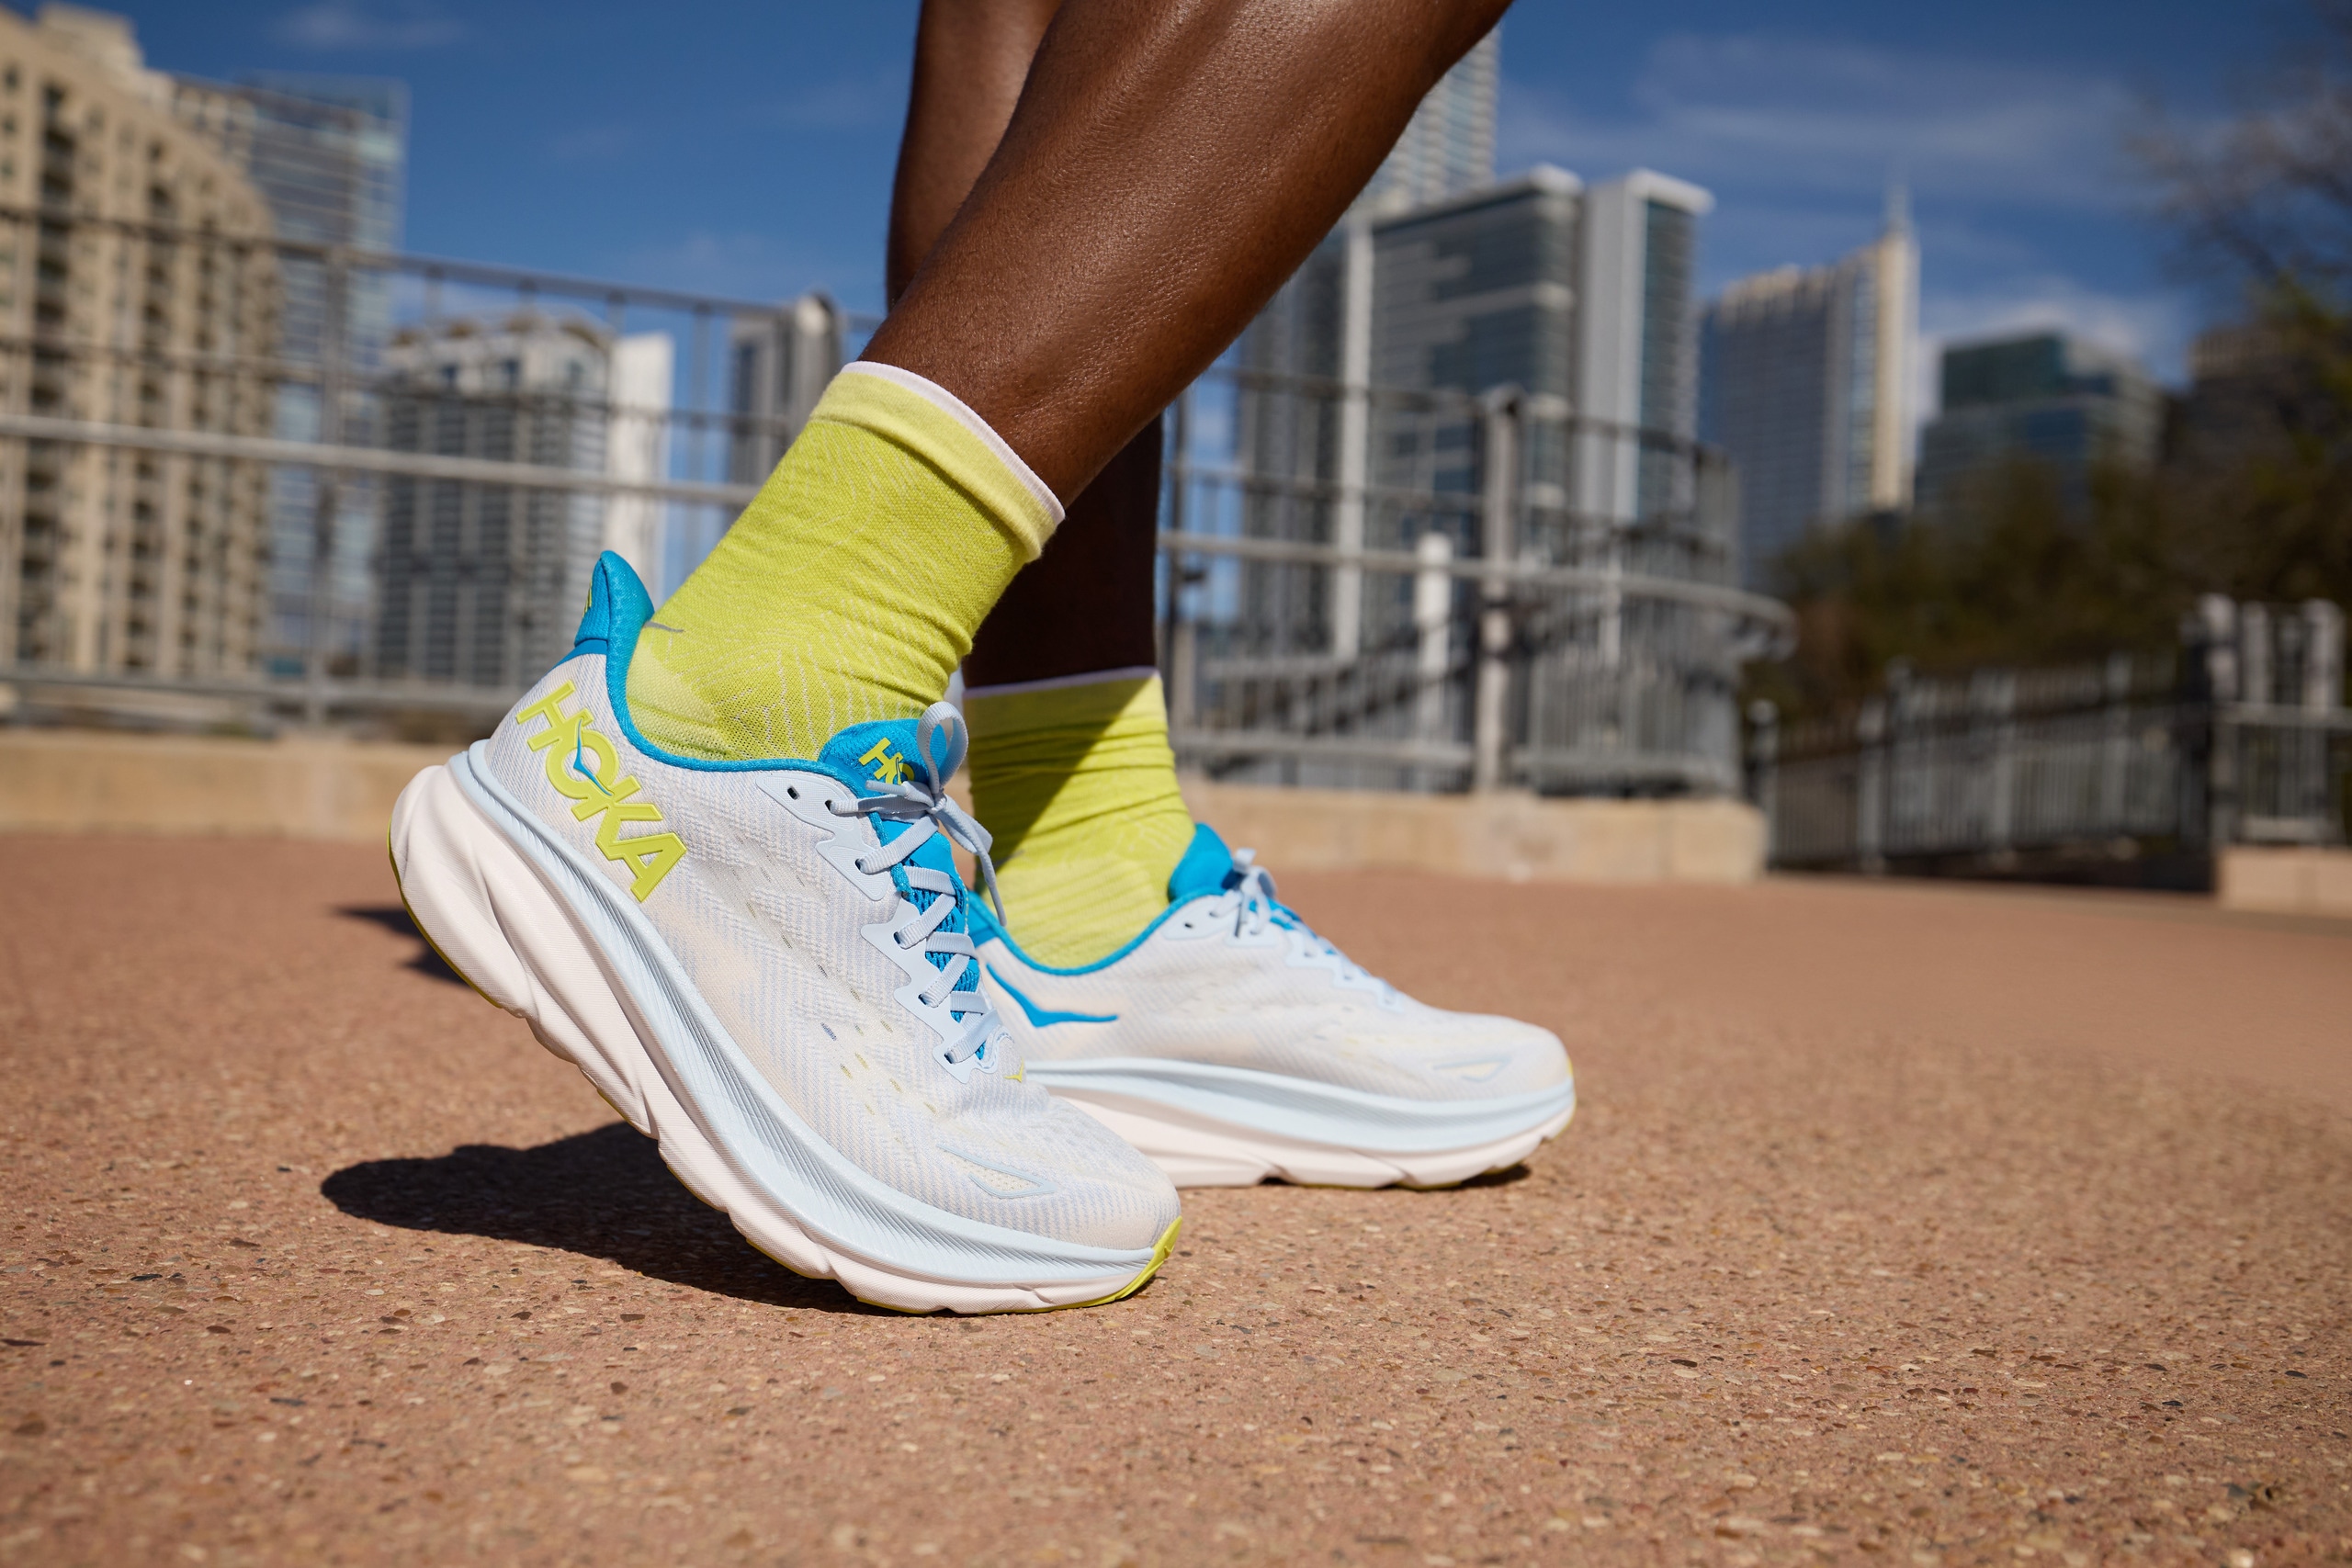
column 926, row 809
column 1254, row 907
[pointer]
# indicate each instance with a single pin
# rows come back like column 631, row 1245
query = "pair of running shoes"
column 774, row 969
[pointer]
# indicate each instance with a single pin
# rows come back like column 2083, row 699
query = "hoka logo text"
column 889, row 768
column 582, row 766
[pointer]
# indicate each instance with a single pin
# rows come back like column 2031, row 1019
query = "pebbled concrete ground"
column 1899, row 1225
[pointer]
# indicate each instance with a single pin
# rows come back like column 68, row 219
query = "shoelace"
column 926, row 809
column 1255, row 906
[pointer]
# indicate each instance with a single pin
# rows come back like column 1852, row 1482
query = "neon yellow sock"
column 1077, row 783
column 850, row 588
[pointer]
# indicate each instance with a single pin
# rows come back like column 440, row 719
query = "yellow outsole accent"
column 1159, row 1251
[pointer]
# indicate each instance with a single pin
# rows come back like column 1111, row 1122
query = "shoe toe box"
column 1058, row 1172
column 1531, row 1057
column 1474, row 1056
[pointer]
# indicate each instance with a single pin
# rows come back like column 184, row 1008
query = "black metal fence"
column 2138, row 767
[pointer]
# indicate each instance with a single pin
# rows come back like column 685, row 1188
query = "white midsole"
column 1194, row 1154
column 547, row 938
column 1215, row 1126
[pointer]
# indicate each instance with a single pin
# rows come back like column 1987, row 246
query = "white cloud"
column 1765, row 112
column 336, row 25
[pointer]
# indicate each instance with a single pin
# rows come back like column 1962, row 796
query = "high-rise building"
column 126, row 300
column 1468, row 293
column 1805, row 380
column 777, row 368
column 638, row 448
column 1319, row 322
column 1637, row 350
column 2252, row 388
column 328, row 153
column 1448, row 145
column 1441, row 285
column 2045, row 398
column 1579, row 299
column 481, row 583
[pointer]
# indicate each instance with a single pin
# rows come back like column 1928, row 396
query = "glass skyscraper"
column 1638, row 362
column 2045, row 398
column 1806, row 382
column 329, row 154
column 1449, row 146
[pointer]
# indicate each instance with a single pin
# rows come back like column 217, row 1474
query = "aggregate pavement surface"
column 1899, row 1224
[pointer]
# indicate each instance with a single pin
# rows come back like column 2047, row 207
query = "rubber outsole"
column 489, row 912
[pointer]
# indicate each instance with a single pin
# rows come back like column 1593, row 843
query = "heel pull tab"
column 617, row 605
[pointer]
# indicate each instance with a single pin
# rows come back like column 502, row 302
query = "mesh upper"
column 1195, row 991
column 768, row 931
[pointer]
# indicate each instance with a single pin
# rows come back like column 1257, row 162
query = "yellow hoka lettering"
column 889, row 766
column 547, row 708
column 580, row 760
column 583, row 766
column 652, row 854
column 587, row 808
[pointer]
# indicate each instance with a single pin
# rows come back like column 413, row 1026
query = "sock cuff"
column 1114, row 699
column 1061, row 683
column 925, row 418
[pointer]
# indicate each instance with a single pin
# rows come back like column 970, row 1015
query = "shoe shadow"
column 602, row 1194
column 394, row 918
column 1507, row 1175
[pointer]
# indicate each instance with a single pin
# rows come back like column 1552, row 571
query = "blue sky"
column 747, row 148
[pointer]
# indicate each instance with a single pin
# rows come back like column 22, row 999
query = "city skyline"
column 2007, row 124
column 1449, row 150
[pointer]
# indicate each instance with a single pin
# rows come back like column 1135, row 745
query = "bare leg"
column 1169, row 164
column 1086, row 603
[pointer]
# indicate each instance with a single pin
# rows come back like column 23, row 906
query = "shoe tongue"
column 880, row 752
column 1204, row 868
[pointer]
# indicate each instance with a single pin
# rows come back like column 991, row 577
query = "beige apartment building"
column 138, row 287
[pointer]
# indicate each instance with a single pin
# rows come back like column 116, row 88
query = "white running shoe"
column 1230, row 1043
column 766, row 966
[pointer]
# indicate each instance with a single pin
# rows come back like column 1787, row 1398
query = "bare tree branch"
column 2265, row 198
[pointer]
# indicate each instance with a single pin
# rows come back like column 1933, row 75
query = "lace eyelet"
column 863, row 869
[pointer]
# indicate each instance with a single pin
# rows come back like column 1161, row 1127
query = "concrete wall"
column 68, row 781
column 74, row 781
column 2286, row 881
column 1510, row 836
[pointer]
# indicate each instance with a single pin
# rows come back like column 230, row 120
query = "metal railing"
column 420, row 491
column 195, row 466
column 1444, row 617
column 2240, row 736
